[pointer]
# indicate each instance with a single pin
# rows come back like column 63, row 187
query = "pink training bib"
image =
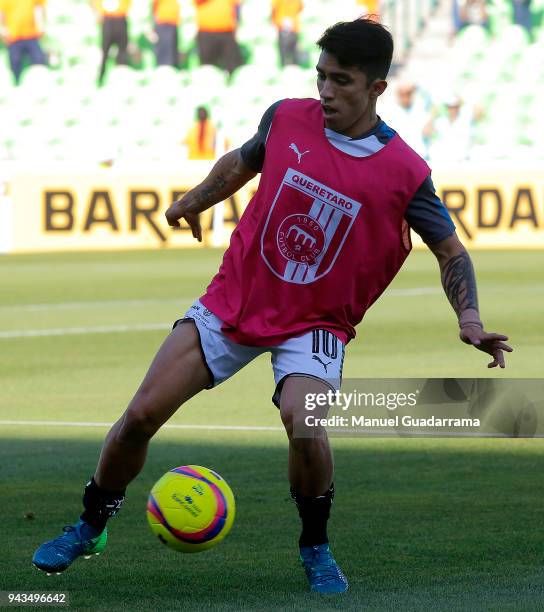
column 321, row 239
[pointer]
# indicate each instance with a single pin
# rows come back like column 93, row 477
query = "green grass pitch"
column 417, row 524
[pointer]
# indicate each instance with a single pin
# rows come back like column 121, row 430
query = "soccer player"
column 322, row 238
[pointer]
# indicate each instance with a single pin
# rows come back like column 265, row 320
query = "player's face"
column 347, row 100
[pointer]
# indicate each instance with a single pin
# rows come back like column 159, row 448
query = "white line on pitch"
column 95, row 304
column 65, row 331
column 105, row 329
column 167, row 426
column 147, row 302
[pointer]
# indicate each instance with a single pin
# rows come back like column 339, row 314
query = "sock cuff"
column 328, row 496
column 314, row 513
column 93, row 487
column 100, row 504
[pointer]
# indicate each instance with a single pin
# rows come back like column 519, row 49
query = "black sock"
column 100, row 504
column 314, row 513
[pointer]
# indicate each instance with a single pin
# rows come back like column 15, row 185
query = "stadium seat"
column 539, row 33
column 208, row 76
column 531, row 64
column 293, row 74
column 266, row 56
column 295, row 81
column 251, row 77
column 534, row 107
column 80, row 77
column 122, row 80
column 6, row 79
column 515, row 36
column 87, row 55
column 473, row 38
column 165, row 78
column 37, row 78
column 498, row 57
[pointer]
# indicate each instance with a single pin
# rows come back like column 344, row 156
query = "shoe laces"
column 71, row 537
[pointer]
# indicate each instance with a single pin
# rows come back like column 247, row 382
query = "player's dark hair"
column 362, row 43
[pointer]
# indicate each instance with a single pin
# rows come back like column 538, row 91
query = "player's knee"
column 139, row 424
column 309, row 445
column 287, row 418
column 294, row 420
column 299, row 419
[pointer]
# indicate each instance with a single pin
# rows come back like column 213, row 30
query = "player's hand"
column 487, row 342
column 178, row 211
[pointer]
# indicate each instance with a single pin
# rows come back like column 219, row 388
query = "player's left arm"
column 459, row 282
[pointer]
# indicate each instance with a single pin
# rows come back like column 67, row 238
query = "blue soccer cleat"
column 78, row 540
column 323, row 573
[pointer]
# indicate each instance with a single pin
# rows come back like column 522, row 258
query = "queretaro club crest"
column 306, row 228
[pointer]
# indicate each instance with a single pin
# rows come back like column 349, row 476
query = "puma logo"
column 321, row 362
column 294, row 147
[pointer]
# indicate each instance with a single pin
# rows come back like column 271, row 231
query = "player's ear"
column 377, row 88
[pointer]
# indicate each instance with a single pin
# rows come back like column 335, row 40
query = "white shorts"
column 317, row 354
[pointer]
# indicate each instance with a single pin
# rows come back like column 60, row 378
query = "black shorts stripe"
column 279, row 387
column 191, row 320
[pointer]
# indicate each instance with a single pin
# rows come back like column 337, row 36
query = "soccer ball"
column 190, row 508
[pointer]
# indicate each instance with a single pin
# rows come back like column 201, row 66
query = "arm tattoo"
column 207, row 193
column 459, row 283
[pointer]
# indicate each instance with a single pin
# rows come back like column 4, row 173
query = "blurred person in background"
column 202, row 136
column 410, row 114
column 286, row 18
column 22, row 24
column 451, row 134
column 522, row 13
column 217, row 21
column 112, row 15
column 473, row 12
column 166, row 15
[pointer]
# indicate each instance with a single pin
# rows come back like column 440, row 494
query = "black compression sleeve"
column 427, row 215
column 253, row 151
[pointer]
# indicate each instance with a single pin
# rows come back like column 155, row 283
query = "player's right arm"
column 229, row 174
